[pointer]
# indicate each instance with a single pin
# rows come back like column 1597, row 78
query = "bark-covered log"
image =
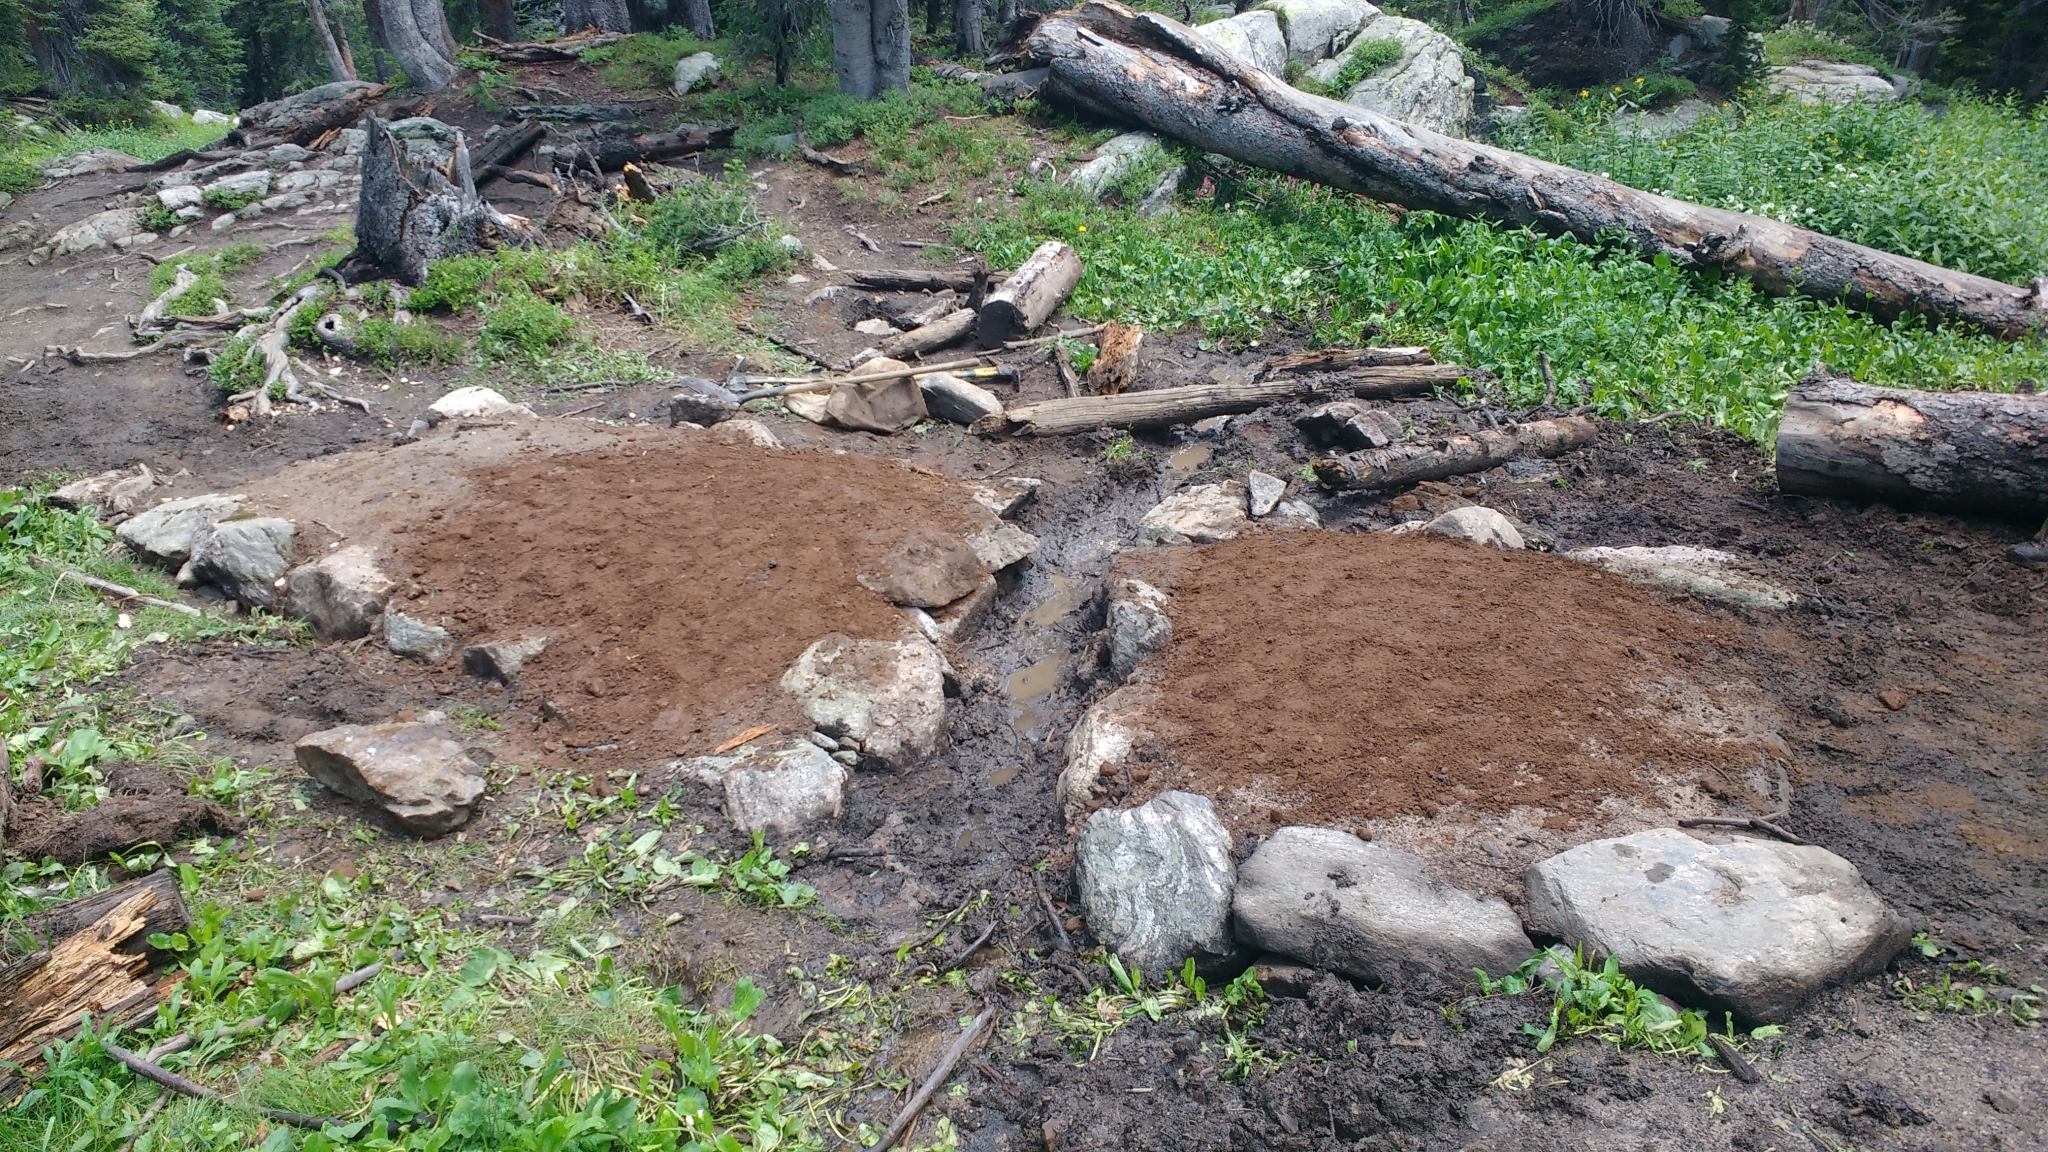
column 1144, row 67
column 408, row 214
column 1030, row 295
column 949, row 329
column 1974, row 451
column 303, row 117
column 415, row 31
column 1406, row 464
column 896, row 280
column 1161, row 407
column 508, row 147
column 616, row 153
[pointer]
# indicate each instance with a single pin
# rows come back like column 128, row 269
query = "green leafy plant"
column 522, row 325
column 1972, row 988
column 231, row 199
column 212, row 268
column 1603, row 1003
column 1797, row 40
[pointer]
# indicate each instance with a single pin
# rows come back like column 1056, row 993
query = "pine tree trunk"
column 967, row 28
column 337, row 63
column 1126, row 66
column 853, row 47
column 605, row 15
column 416, row 32
column 695, row 15
column 501, row 19
column 892, row 45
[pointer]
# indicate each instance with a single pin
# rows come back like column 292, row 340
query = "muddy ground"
column 1939, row 802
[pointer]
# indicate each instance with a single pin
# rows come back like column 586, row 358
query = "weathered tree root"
column 272, row 342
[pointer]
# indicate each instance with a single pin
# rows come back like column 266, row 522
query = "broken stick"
column 121, row 590
column 791, row 384
column 908, row 1116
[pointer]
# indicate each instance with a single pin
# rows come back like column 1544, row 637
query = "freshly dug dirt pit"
column 1336, row 679
column 674, row 576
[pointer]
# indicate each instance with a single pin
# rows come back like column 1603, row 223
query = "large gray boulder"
column 1427, row 87
column 1202, row 514
column 1253, row 37
column 245, row 558
column 1833, row 82
column 1315, row 29
column 114, row 227
column 417, row 771
column 1138, row 626
column 776, row 790
column 110, row 493
column 1704, row 572
column 1155, row 883
column 888, row 695
column 1116, row 158
column 341, row 594
column 1329, row 899
column 1747, row 925
column 167, row 533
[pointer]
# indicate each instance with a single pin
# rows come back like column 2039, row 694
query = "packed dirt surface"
column 1427, row 682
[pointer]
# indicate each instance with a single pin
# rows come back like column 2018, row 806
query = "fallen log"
column 951, row 328
column 1110, row 61
column 550, row 51
column 615, row 154
column 1161, row 407
column 508, row 146
column 303, row 117
column 1338, row 359
column 893, row 280
column 1974, row 451
column 1030, row 295
column 165, row 914
column 43, row 996
column 1406, row 464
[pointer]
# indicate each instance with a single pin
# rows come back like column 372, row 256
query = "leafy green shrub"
column 1797, row 40
column 231, row 199
column 235, row 367
column 701, row 215
column 1966, row 187
column 1367, row 58
column 1603, row 1003
column 454, row 283
column 522, row 325
column 157, row 217
column 832, row 119
column 1657, row 89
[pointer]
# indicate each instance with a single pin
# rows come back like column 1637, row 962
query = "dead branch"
column 113, row 589
column 570, row 47
column 932, row 1084
column 85, row 356
column 1338, row 359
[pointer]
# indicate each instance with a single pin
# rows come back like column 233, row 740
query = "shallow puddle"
column 1185, row 461
column 1028, row 686
column 1069, row 593
column 1002, row 776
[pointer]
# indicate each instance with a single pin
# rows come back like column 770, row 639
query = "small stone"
column 1008, row 496
column 1156, row 881
column 745, row 432
column 1202, row 514
column 929, row 570
column 847, row 744
column 1748, row 925
column 701, row 402
column 877, row 328
column 245, row 558
column 1138, row 626
column 828, row 292
column 1294, row 514
column 777, row 790
column 1892, row 698
column 1480, row 526
column 824, row 741
column 889, row 695
column 187, row 196
column 1266, row 492
column 1370, row 912
column 790, row 245
column 1001, row 546
column 167, row 533
column 416, row 771
column 1704, row 572
column 284, row 154
column 950, row 398
column 341, row 594
column 2002, row 1102
column 502, row 660
column 421, row 641
column 110, row 492
column 697, row 70
column 1282, row 979
column 209, row 116
column 847, row 758
column 476, row 402
column 1349, row 424
column 1097, row 747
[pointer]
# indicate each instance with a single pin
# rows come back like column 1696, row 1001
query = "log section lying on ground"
column 548, row 51
column 166, row 915
column 1030, row 295
column 1124, row 65
column 1163, row 406
column 1979, row 451
column 615, row 154
column 951, row 328
column 43, row 995
column 1454, row 456
column 304, row 117
column 1338, row 359
column 892, row 280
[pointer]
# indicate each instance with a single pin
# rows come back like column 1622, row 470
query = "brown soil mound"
column 1333, row 676
column 674, row 584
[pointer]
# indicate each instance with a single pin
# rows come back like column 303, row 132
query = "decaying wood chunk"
column 1141, row 66
column 1116, row 361
column 1405, row 464
column 43, row 996
column 1973, row 451
column 410, row 214
column 39, row 930
column 949, row 329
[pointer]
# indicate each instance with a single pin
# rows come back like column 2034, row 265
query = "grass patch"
column 212, row 268
column 1647, row 337
column 231, row 199
column 21, row 151
column 1364, row 60
column 1965, row 187
column 416, row 342
column 647, row 60
column 520, row 325
column 1798, row 40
